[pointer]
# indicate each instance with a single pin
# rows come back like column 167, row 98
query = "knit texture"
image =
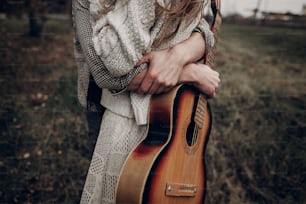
column 118, row 136
column 118, row 40
column 122, row 36
column 87, row 60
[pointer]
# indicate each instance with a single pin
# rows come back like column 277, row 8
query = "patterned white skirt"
column 118, row 136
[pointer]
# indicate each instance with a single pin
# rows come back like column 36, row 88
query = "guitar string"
column 195, row 133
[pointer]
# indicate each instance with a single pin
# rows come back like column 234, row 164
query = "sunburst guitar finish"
column 168, row 166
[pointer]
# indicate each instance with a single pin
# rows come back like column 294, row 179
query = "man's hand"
column 136, row 81
column 165, row 66
column 163, row 72
column 164, row 69
column 201, row 76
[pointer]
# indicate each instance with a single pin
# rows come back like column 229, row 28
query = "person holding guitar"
column 132, row 49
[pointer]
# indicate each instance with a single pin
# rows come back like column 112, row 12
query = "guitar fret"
column 200, row 111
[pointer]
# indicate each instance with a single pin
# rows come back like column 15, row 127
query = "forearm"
column 190, row 50
column 165, row 66
column 188, row 74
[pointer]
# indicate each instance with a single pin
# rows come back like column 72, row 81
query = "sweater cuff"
column 204, row 29
column 129, row 77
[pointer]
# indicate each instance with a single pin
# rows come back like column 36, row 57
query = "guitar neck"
column 215, row 28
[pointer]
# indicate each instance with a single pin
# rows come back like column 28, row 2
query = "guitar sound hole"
column 191, row 135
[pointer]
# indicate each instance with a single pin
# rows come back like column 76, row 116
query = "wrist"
column 180, row 54
column 190, row 50
column 189, row 74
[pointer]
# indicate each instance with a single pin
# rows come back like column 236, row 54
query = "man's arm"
column 174, row 59
column 157, row 79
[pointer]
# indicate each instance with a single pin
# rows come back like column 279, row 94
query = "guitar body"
column 168, row 165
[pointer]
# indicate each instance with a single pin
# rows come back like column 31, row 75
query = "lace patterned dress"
column 118, row 137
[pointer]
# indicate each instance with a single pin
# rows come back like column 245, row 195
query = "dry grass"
column 44, row 156
column 256, row 153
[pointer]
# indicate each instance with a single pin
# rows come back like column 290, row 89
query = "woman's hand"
column 202, row 77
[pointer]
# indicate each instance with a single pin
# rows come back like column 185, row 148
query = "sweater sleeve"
column 122, row 35
column 83, row 36
column 204, row 28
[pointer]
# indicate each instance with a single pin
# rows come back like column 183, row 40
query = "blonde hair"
column 174, row 12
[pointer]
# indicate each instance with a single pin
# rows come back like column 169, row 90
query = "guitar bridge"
column 181, row 190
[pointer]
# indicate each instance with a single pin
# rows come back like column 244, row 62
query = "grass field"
column 256, row 152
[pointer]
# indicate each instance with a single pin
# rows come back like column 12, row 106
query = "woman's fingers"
column 207, row 80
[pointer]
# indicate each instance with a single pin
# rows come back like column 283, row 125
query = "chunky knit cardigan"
column 87, row 61
column 122, row 36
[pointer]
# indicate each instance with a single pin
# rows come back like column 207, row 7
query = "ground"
column 256, row 151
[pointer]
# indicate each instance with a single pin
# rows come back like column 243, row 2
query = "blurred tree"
column 35, row 10
column 3, row 6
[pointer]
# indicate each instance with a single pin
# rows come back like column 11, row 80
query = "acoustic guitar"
column 168, row 166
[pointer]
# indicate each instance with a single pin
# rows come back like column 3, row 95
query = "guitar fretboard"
column 215, row 28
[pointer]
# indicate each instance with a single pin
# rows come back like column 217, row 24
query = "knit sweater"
column 122, row 36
